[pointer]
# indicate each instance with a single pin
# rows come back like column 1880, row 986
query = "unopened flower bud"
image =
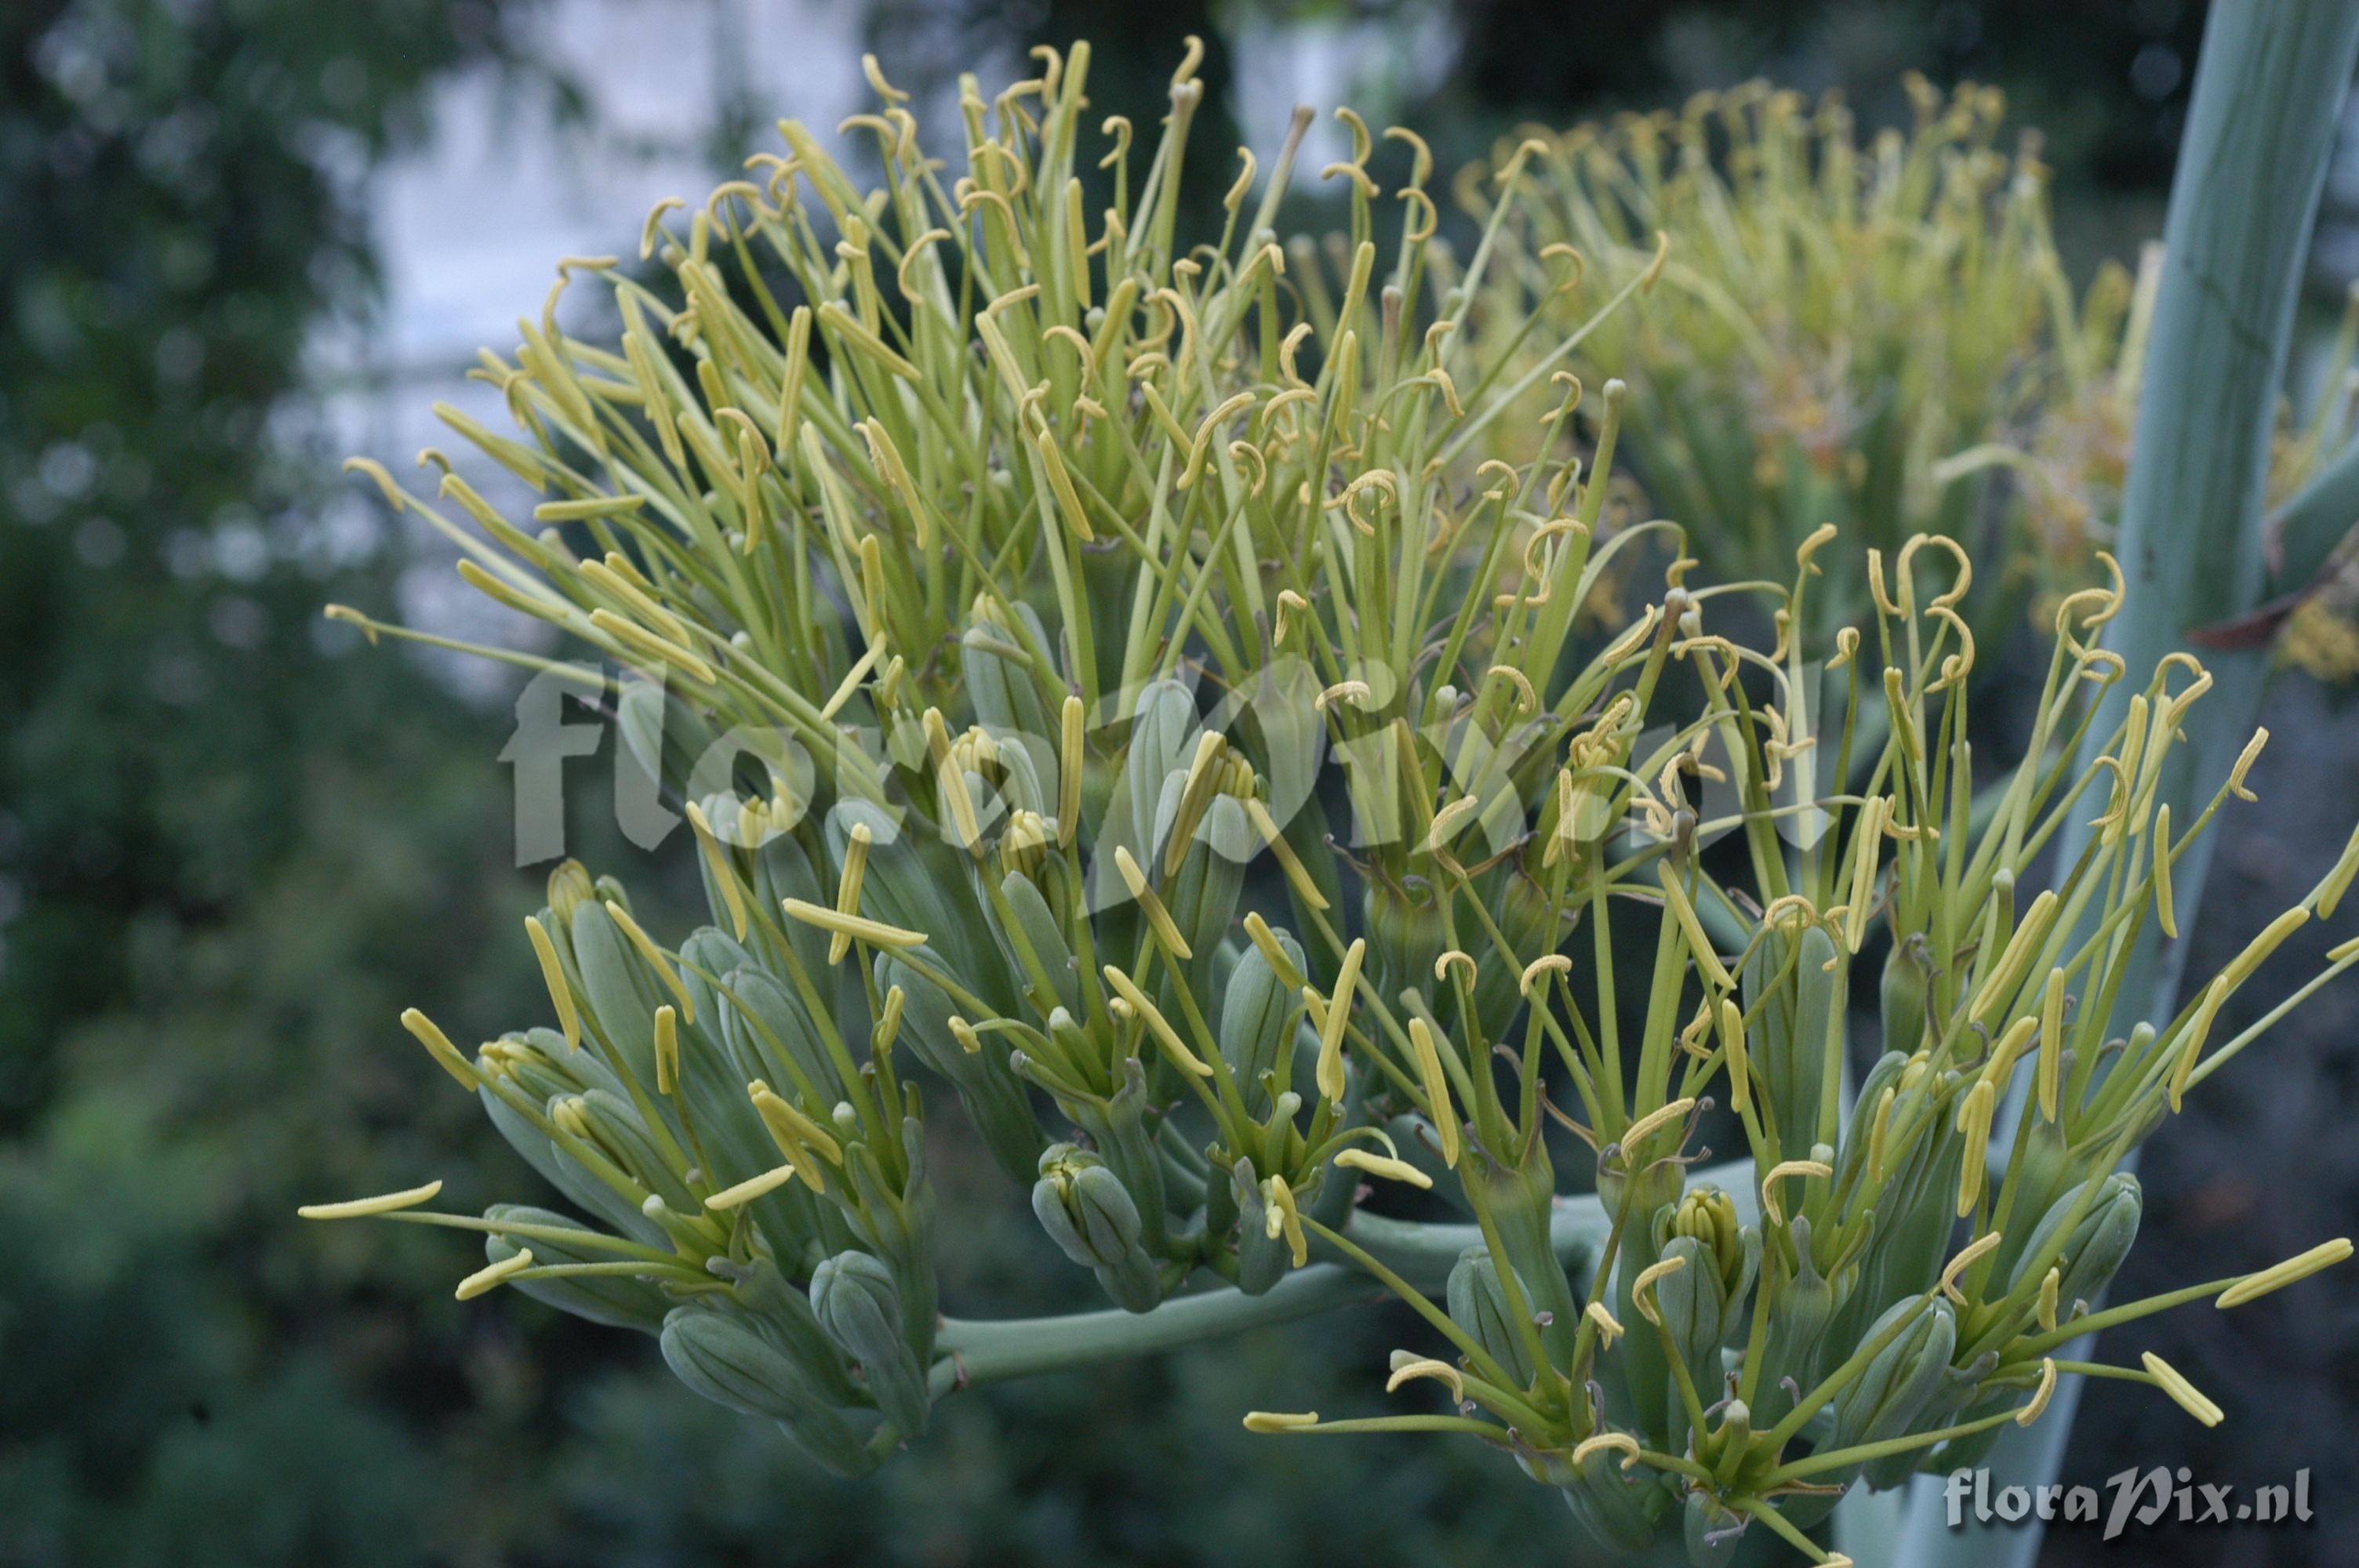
column 2086, row 1257
column 1895, row 1388
column 1478, row 1305
column 860, row 1308
column 1091, row 1216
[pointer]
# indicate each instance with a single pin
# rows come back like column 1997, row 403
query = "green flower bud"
column 993, row 1098
column 1263, row 1259
column 1478, row 1305
column 2085, row 1257
column 617, row 1300
column 1086, row 1212
column 587, row 1192
column 1256, row 1018
column 1404, row 934
column 1792, row 997
column 858, row 1305
column 1890, row 1397
column 723, row 1356
column 621, row 993
column 1529, row 922
column 1703, row 1303
column 1118, row 1127
column 569, row 888
column 1622, row 1509
column 1035, row 926
column 999, row 681
column 1804, row 1303
column 1903, row 995
column 612, row 1123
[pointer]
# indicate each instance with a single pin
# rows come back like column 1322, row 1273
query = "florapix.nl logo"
column 2155, row 1498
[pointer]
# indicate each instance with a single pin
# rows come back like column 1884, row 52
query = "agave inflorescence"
column 1837, row 318
column 1148, row 702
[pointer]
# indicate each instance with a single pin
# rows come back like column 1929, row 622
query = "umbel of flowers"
column 1177, row 738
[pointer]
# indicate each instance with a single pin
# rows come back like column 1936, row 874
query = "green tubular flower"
column 1058, row 561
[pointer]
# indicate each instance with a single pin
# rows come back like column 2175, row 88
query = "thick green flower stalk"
column 1835, row 319
column 1122, row 687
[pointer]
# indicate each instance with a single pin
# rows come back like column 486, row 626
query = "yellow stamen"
column 1556, row 962
column 2245, row 760
column 1070, row 759
column 1408, row 1368
column 1791, row 1168
column 1975, row 1121
column 1268, row 1422
column 1382, row 1165
column 1437, row 1088
column 1609, row 1328
column 1296, row 874
column 1620, row 1442
column 2047, row 1391
column 1169, row 1037
column 667, row 1051
column 798, row 1138
column 1281, row 1217
column 1158, row 918
column 847, row 887
column 1330, row 1071
column 747, row 1191
column 2325, row 1255
column 438, row 1045
column 2051, row 1042
column 1642, row 1288
column 2257, row 950
column 2338, row 881
column 1740, row 1070
column 1699, row 945
column 2198, row 1029
column 1654, row 1122
column 552, row 974
column 1962, row 1262
column 860, row 928
column 724, row 875
column 2166, row 908
column 2050, row 1283
column 490, row 1277
column 2184, row 1394
column 389, row 1202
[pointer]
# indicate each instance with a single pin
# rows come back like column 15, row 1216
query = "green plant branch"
column 986, row 1350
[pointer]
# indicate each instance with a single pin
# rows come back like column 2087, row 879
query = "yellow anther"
column 1385, row 1166
column 410, row 1197
column 2325, row 1255
column 1437, row 1088
column 552, row 975
column 491, row 1276
column 2184, row 1394
column 1330, row 1067
column 876, row 932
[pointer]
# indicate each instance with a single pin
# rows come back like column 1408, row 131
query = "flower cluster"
column 1145, row 692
